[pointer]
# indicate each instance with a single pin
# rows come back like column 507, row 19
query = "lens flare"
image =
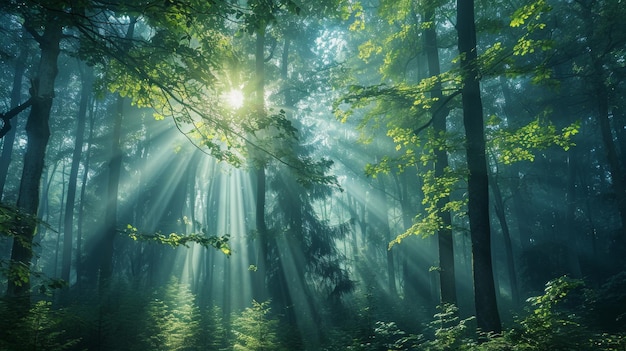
column 234, row 99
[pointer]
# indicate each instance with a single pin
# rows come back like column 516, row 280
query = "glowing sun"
column 234, row 98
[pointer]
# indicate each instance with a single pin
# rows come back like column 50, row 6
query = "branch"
column 38, row 37
column 176, row 240
column 436, row 112
column 135, row 67
column 272, row 50
column 6, row 117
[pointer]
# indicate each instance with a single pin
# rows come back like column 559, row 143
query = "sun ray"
column 235, row 98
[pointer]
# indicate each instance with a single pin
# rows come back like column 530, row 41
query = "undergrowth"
column 567, row 316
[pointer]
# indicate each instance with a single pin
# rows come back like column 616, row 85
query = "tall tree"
column 16, row 95
column 439, row 118
column 487, row 316
column 68, row 221
column 260, row 163
column 599, row 25
column 113, row 176
column 38, row 132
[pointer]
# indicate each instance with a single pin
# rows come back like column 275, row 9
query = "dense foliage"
column 320, row 175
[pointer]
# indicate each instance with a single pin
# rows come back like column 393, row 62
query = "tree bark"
column 9, row 137
column 384, row 222
column 439, row 117
column 617, row 176
column 487, row 317
column 601, row 88
column 110, row 214
column 115, row 167
column 81, row 210
column 506, row 237
column 38, row 133
column 260, row 289
column 68, row 220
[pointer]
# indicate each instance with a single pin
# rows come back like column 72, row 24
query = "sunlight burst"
column 234, row 98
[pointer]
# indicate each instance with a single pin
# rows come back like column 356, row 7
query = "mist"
column 322, row 175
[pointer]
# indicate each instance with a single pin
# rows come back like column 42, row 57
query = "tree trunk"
column 617, row 177
column 391, row 269
column 439, row 117
column 602, row 88
column 68, row 226
column 506, row 237
column 38, row 133
column 55, row 270
column 9, row 138
column 260, row 289
column 572, row 224
column 81, row 210
column 487, row 317
column 416, row 279
column 115, row 167
column 113, row 180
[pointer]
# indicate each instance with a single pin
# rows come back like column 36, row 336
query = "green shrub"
column 255, row 329
column 40, row 329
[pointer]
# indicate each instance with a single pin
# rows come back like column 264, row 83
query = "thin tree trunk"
column 571, row 241
column 601, row 90
column 110, row 215
column 506, row 237
column 440, row 114
column 57, row 250
column 43, row 212
column 487, row 317
column 260, row 288
column 83, row 197
column 354, row 217
column 570, row 186
column 391, row 269
column 617, row 176
column 115, row 167
column 519, row 209
column 415, row 268
column 68, row 225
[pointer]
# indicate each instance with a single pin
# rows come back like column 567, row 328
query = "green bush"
column 40, row 329
column 255, row 329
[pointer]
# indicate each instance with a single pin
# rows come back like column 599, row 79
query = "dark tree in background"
column 322, row 175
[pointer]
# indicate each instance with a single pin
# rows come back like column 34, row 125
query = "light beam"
column 234, row 98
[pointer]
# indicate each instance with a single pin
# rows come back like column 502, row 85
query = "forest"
column 365, row 175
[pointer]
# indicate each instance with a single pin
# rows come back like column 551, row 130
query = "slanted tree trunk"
column 487, row 317
column 38, row 133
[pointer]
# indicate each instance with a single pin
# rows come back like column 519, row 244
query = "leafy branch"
column 176, row 240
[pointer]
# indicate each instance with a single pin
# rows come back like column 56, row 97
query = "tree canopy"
column 330, row 174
